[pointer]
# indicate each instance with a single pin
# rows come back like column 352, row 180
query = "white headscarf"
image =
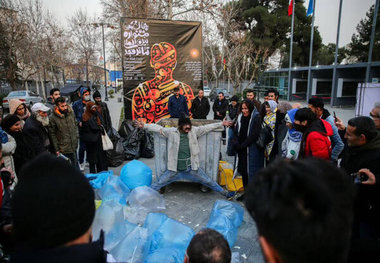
column 272, row 105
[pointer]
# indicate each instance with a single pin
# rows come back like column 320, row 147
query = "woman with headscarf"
column 18, row 108
column 270, row 120
column 249, row 158
column 11, row 124
column 292, row 142
column 91, row 134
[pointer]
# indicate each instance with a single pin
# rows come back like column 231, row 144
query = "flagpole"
column 333, row 86
column 308, row 91
column 291, row 53
column 372, row 41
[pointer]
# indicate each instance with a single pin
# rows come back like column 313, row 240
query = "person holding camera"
column 361, row 159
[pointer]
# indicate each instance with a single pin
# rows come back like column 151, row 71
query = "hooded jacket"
column 316, row 141
column 63, row 131
column 13, row 105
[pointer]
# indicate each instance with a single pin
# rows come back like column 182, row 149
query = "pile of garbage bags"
column 135, row 228
column 129, row 143
column 137, row 142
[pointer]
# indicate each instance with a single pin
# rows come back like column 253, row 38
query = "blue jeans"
column 196, row 176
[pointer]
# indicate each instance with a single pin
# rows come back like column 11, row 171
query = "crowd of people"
column 320, row 209
column 260, row 134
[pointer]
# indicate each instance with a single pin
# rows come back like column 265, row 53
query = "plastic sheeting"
column 226, row 218
column 169, row 238
column 108, row 214
column 133, row 248
column 135, row 174
column 99, row 179
column 114, row 189
column 143, row 200
column 117, row 233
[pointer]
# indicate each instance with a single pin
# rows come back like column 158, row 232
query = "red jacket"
column 318, row 143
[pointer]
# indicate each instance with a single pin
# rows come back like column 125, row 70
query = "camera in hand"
column 7, row 179
column 359, row 177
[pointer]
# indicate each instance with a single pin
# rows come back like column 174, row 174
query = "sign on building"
column 159, row 55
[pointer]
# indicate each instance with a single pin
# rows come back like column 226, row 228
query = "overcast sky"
column 326, row 15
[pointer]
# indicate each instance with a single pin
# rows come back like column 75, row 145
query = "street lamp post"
column 104, row 61
column 102, row 24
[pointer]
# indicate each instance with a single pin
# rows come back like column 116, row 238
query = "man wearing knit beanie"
column 53, row 209
column 103, row 110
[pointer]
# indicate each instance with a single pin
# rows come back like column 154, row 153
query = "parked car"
column 206, row 91
column 26, row 96
column 214, row 94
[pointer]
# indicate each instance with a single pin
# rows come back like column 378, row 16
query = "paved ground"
column 187, row 204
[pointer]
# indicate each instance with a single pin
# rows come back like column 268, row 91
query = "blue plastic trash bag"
column 115, row 189
column 99, row 179
column 109, row 213
column 144, row 197
column 117, row 233
column 136, row 173
column 118, row 184
column 170, row 234
column 226, row 218
column 167, row 255
column 133, row 248
column 154, row 221
column 142, row 201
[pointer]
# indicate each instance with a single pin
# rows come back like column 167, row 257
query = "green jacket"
column 64, row 131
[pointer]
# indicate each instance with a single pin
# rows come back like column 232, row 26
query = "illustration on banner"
column 150, row 98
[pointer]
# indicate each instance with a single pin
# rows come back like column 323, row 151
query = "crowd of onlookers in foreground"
column 321, row 209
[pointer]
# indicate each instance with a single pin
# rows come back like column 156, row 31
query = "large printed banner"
column 159, row 55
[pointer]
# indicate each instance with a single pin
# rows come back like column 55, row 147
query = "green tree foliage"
column 269, row 25
column 359, row 47
column 325, row 55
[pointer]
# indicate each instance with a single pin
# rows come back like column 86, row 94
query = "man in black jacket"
column 177, row 104
column 220, row 107
column 103, row 110
column 362, row 156
column 200, row 107
column 36, row 129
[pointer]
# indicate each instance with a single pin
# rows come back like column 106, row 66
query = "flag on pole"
column 310, row 9
column 290, row 8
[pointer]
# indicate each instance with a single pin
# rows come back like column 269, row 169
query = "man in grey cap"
column 36, row 129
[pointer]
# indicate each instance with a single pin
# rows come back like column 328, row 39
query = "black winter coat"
column 221, row 107
column 37, row 135
column 23, row 152
column 233, row 111
column 106, row 118
column 367, row 204
column 89, row 253
column 200, row 108
column 90, row 131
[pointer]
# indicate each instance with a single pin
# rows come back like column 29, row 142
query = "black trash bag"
column 126, row 128
column 115, row 157
column 147, row 145
column 132, row 144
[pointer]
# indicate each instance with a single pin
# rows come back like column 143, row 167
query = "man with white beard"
column 36, row 129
